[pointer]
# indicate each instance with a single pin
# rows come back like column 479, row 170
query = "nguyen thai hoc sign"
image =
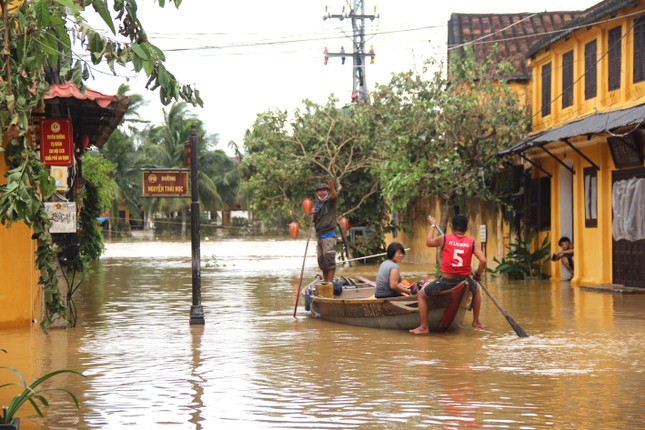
column 56, row 142
column 165, row 183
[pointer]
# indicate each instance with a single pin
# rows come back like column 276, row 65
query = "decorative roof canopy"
column 94, row 114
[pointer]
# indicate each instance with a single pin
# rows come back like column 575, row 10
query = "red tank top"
column 456, row 254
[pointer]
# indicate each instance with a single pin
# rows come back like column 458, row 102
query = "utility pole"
column 358, row 53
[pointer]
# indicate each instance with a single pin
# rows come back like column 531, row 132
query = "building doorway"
column 566, row 211
column 628, row 227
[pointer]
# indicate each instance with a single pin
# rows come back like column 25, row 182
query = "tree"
column 287, row 157
column 164, row 147
column 36, row 39
column 100, row 192
column 442, row 135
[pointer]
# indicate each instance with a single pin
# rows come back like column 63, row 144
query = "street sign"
column 62, row 215
column 165, row 183
column 56, row 142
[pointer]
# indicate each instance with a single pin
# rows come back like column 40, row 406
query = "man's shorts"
column 442, row 284
column 326, row 250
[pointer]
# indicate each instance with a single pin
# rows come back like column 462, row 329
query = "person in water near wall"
column 456, row 254
column 388, row 279
column 324, row 212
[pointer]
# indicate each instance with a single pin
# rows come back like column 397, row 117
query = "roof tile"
column 513, row 34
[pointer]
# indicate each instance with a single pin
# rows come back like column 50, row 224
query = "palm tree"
column 163, row 147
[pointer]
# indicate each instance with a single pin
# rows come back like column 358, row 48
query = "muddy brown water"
column 252, row 365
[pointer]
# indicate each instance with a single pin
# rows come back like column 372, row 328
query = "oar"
column 520, row 332
column 369, row 256
column 302, row 271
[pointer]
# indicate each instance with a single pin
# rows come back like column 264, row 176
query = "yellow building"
column 586, row 149
column 93, row 117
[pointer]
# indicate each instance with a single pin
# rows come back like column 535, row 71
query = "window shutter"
column 546, row 89
column 639, row 46
column 567, row 79
column 614, row 58
column 539, row 215
column 591, row 76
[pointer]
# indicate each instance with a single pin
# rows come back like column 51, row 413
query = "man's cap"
column 322, row 186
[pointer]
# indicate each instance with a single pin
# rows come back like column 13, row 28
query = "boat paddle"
column 306, row 206
column 516, row 327
column 368, row 256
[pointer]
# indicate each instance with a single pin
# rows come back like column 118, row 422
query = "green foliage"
column 521, row 262
column 99, row 194
column 288, row 154
column 28, row 184
column 32, row 393
column 100, row 172
column 439, row 137
column 36, row 39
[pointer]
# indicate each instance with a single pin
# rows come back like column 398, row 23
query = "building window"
column 639, row 47
column 591, row 65
column 614, row 58
column 540, row 203
column 546, row 89
column 567, row 79
column 591, row 196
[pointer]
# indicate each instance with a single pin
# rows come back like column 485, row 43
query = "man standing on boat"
column 324, row 213
column 456, row 254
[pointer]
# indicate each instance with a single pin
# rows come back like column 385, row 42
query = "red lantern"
column 293, row 230
column 344, row 223
column 306, row 206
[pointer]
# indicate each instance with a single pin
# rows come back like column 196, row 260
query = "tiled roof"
column 96, row 115
column 584, row 18
column 513, row 34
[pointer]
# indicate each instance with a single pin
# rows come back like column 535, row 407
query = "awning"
column 95, row 115
column 594, row 124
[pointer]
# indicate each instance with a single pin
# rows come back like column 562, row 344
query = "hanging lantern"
column 306, row 205
column 293, row 230
column 344, row 223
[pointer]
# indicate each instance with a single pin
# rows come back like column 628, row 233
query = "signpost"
column 196, row 310
column 174, row 183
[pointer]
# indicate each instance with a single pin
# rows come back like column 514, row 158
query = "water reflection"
column 252, row 365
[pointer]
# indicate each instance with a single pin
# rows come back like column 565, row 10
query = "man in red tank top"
column 456, row 255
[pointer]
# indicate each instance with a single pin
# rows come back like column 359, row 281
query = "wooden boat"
column 356, row 305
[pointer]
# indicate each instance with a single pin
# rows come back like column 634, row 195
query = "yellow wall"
column 497, row 238
column 19, row 291
column 593, row 245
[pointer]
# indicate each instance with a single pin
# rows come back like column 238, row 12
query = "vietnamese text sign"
column 165, row 183
column 56, row 142
column 63, row 216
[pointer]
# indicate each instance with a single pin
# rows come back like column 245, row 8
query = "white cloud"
column 248, row 57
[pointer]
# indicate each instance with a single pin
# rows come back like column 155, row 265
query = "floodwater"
column 254, row 366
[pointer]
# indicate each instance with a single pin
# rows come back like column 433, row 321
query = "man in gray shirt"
column 324, row 212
